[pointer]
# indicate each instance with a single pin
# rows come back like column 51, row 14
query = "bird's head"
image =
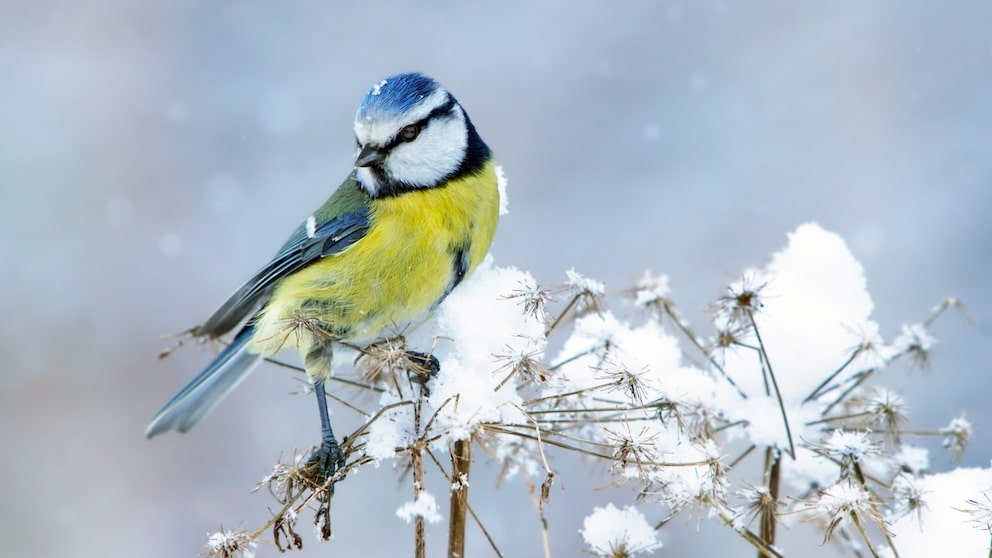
column 411, row 134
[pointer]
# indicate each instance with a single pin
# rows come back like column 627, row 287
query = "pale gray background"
column 152, row 154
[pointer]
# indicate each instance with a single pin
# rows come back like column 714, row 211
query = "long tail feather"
column 210, row 386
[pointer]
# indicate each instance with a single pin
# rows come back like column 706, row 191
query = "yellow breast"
column 393, row 276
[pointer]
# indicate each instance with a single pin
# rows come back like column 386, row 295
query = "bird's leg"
column 328, row 457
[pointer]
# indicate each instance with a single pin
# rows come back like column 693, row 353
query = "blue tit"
column 412, row 220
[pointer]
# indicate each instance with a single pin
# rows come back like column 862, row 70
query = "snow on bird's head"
column 397, row 97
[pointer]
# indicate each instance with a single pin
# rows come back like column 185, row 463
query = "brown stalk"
column 461, row 461
column 773, row 465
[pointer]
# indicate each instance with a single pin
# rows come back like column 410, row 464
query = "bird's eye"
column 409, row 133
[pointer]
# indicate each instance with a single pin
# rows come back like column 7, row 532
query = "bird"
column 415, row 216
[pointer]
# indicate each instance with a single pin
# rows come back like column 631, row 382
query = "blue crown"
column 395, row 96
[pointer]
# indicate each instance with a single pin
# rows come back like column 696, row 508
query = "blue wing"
column 301, row 250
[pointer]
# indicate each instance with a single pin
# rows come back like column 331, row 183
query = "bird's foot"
column 328, row 459
column 424, row 364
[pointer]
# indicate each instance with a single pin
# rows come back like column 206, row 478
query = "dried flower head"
column 916, row 342
column 588, row 292
column 885, row 410
column 845, row 501
column 743, row 299
column 980, row 511
column 907, row 498
column 956, row 436
column 652, row 291
column 634, row 448
column 847, row 447
column 523, row 363
column 534, row 299
column 633, row 381
column 870, row 350
column 758, row 502
column 230, row 544
column 388, row 361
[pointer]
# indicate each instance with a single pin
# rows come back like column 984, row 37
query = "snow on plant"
column 787, row 380
column 955, row 519
column 614, row 533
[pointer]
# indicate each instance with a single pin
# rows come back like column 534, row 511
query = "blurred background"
column 153, row 154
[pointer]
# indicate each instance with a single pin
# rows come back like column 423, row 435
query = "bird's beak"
column 368, row 156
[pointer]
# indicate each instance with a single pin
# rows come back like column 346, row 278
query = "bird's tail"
column 211, row 385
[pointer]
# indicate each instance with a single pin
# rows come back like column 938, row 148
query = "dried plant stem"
column 419, row 525
column 539, row 506
column 471, row 512
column 773, row 465
column 691, row 336
column 752, row 538
column 741, row 457
column 561, row 316
column 417, row 463
column 819, row 389
column 864, row 534
column 461, row 462
column 858, row 379
column 336, row 379
column 771, row 374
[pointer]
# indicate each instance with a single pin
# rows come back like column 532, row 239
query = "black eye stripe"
column 422, row 123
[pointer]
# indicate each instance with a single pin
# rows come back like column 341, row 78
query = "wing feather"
column 329, row 238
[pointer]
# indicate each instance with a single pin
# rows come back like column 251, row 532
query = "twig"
column 681, row 325
column 771, row 374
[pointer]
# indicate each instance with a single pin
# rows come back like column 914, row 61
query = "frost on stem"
column 424, row 506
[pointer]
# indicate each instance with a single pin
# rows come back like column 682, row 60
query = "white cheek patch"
column 436, row 153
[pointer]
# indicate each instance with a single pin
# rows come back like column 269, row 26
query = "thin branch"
column 830, row 378
column 684, row 328
column 771, row 374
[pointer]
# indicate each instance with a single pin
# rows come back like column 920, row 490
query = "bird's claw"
column 328, row 458
column 427, row 364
